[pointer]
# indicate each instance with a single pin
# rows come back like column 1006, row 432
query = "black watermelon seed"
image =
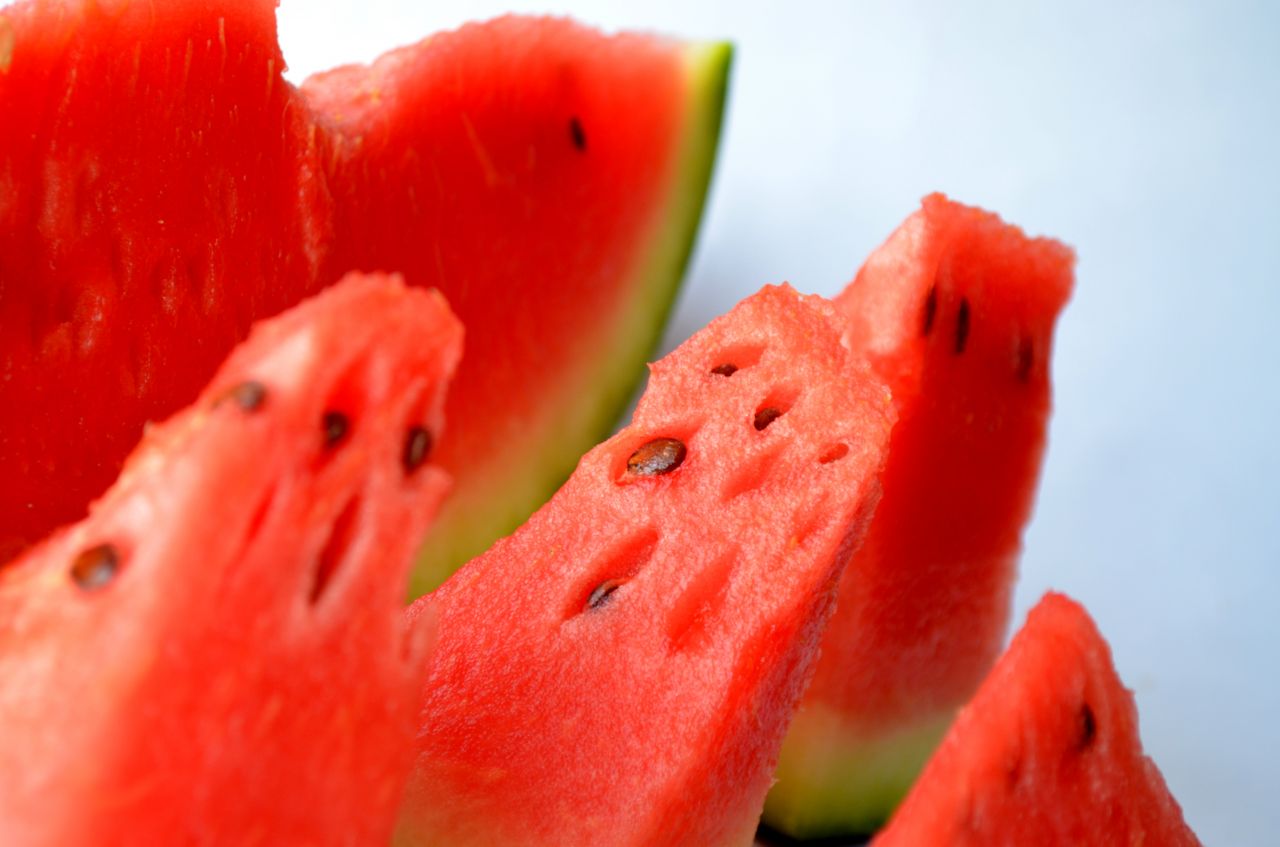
column 336, row 425
column 1026, row 359
column 930, row 311
column 96, row 568
column 962, row 325
column 727, row 369
column 602, row 594
column 248, row 395
column 1088, row 726
column 417, row 446
column 577, row 133
column 766, row 416
column 656, row 457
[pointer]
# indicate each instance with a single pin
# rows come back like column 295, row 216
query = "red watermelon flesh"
column 168, row 188
column 1047, row 753
column 620, row 671
column 218, row 653
column 956, row 313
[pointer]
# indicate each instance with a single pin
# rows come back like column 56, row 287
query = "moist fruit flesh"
column 620, row 670
column 956, row 313
column 1047, row 753
column 217, row 653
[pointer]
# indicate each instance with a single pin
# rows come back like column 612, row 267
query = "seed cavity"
column 1088, row 726
column 341, row 536
column 602, row 594
column 765, row 416
column 930, row 311
column 962, row 325
column 1026, row 358
column 610, row 569
column 248, row 395
column 417, row 447
column 834, row 453
column 96, row 568
column 727, row 369
column 577, row 134
column 335, row 425
column 657, row 457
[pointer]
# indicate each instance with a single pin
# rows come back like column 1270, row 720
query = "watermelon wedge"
column 1047, row 753
column 218, row 653
column 956, row 313
column 162, row 187
column 621, row 670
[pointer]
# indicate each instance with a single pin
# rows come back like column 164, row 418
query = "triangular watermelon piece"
column 218, row 653
column 956, row 313
column 162, row 187
column 1047, row 753
column 621, row 670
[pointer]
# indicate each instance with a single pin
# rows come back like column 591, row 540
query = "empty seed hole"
column 750, row 476
column 834, row 453
column 700, row 604
column 341, row 537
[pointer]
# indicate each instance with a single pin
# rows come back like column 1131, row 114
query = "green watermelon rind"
column 831, row 781
column 473, row 516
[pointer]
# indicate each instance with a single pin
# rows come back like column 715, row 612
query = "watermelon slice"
column 620, row 671
column 956, row 314
column 218, row 653
column 1047, row 753
column 167, row 188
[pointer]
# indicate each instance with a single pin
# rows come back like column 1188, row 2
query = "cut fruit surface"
column 1047, row 753
column 218, row 654
column 956, row 313
column 169, row 188
column 620, row 671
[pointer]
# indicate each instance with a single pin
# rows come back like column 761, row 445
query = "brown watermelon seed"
column 417, row 446
column 766, row 416
column 930, row 311
column 962, row 325
column 656, row 457
column 95, row 568
column 336, row 426
column 578, row 134
column 1088, row 726
column 1026, row 358
column 833, row 453
column 727, row 369
column 602, row 594
column 248, row 395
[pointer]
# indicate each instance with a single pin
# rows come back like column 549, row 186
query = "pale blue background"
column 1148, row 136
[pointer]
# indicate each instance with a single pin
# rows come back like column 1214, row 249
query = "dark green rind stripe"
column 472, row 519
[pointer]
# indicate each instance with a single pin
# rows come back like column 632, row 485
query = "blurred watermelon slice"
column 1047, row 753
column 218, row 653
column 162, row 187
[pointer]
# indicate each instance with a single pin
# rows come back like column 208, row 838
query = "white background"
column 1147, row 136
